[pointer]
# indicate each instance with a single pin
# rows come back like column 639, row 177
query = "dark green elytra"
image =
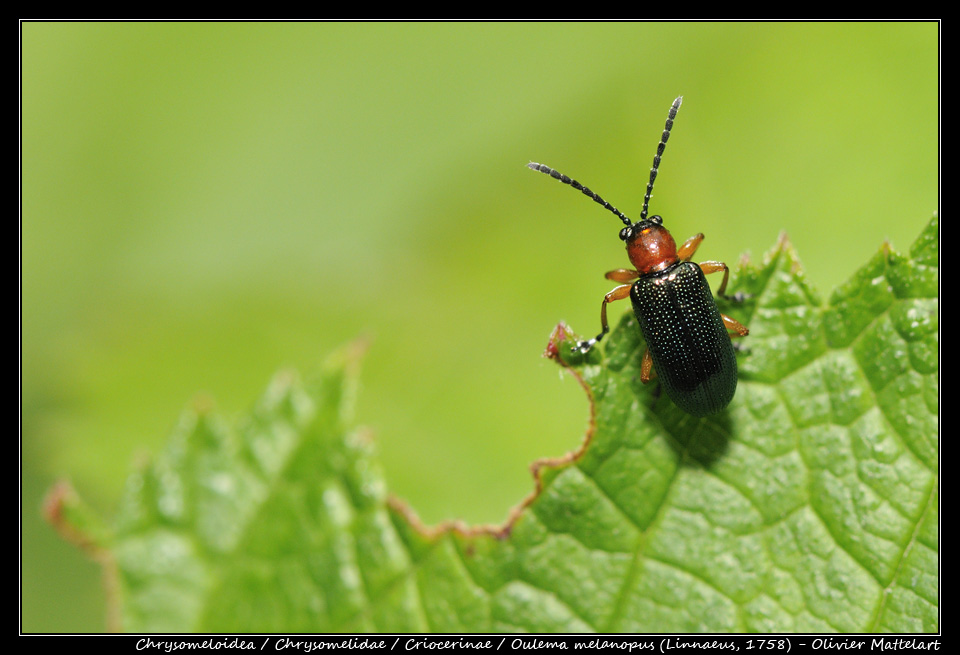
column 688, row 342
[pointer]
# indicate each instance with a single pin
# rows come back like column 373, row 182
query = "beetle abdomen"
column 688, row 342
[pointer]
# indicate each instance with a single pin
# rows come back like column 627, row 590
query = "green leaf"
column 810, row 504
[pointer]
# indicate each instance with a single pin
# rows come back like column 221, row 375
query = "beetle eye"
column 656, row 219
column 626, row 233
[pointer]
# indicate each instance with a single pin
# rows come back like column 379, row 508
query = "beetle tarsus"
column 739, row 296
column 583, row 347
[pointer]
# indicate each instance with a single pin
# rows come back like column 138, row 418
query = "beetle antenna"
column 656, row 158
column 557, row 175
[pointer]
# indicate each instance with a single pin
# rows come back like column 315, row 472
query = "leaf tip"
column 560, row 333
column 349, row 357
column 203, row 404
column 72, row 519
column 784, row 244
column 54, row 502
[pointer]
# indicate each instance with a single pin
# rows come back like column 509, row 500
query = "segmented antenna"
column 557, row 175
column 656, row 159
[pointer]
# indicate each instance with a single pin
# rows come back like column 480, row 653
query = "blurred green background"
column 204, row 204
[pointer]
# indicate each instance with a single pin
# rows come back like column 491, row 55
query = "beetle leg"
column 646, row 367
column 622, row 275
column 689, row 247
column 618, row 293
column 735, row 325
column 713, row 267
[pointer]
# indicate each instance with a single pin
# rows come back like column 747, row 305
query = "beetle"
column 688, row 339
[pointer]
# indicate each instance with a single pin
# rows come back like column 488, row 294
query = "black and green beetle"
column 688, row 343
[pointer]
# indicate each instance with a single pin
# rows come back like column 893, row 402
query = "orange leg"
column 735, row 325
column 618, row 293
column 689, row 247
column 686, row 252
column 713, row 267
column 646, row 367
column 622, row 275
